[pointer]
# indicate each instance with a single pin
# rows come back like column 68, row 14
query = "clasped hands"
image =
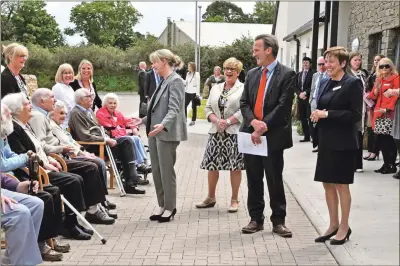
column 260, row 127
column 221, row 125
column 317, row 115
column 303, row 96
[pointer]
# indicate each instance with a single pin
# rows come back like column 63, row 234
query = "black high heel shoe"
column 376, row 157
column 167, row 219
column 155, row 217
column 367, row 157
column 341, row 241
column 322, row 239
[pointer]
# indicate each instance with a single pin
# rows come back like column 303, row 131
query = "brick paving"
column 197, row 237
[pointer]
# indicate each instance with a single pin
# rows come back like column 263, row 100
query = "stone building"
column 375, row 27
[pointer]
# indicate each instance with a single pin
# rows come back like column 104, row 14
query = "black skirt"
column 335, row 167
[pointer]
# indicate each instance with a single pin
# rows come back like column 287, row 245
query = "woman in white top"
column 223, row 111
column 63, row 91
column 192, row 89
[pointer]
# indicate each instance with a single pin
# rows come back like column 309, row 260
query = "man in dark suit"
column 151, row 84
column 303, row 91
column 141, row 84
column 266, row 106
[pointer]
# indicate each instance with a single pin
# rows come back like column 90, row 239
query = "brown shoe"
column 207, row 203
column 59, row 247
column 50, row 255
column 252, row 227
column 282, row 230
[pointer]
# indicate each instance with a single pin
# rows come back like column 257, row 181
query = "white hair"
column 14, row 102
column 4, row 108
column 7, row 126
column 109, row 96
column 40, row 94
column 60, row 105
column 82, row 92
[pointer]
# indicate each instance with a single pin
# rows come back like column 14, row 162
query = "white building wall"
column 343, row 23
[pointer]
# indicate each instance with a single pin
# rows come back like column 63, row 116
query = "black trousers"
column 388, row 147
column 397, row 141
column 272, row 166
column 52, row 215
column 102, row 171
column 359, row 152
column 305, row 113
column 189, row 97
column 91, row 181
column 372, row 144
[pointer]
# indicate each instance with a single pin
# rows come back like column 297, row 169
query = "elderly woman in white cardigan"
column 223, row 111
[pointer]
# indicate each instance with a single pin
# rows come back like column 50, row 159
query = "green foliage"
column 106, row 23
column 216, row 18
column 264, row 12
column 29, row 22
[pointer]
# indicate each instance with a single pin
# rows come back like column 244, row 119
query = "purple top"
column 8, row 183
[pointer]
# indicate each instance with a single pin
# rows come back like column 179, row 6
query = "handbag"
column 143, row 109
column 196, row 100
column 383, row 126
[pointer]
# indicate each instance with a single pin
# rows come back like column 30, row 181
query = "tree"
column 264, row 12
column 223, row 11
column 105, row 23
column 29, row 22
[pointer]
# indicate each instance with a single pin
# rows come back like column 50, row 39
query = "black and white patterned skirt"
column 222, row 153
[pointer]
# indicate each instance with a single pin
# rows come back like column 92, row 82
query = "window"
column 397, row 52
column 374, row 47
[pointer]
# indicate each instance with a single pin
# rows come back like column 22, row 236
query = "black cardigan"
column 9, row 83
column 97, row 101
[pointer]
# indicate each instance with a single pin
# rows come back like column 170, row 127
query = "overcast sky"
column 154, row 18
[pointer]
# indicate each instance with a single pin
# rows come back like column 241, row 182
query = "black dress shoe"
column 109, row 205
column 322, row 239
column 75, row 233
column 99, row 217
column 141, row 182
column 380, row 169
column 143, row 168
column 132, row 189
column 85, row 230
column 253, row 227
column 282, row 230
column 397, row 175
column 315, row 150
column 390, row 169
column 112, row 215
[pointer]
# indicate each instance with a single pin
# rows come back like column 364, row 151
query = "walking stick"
column 113, row 164
column 103, row 240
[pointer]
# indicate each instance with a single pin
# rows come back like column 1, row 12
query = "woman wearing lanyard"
column 15, row 56
column 84, row 79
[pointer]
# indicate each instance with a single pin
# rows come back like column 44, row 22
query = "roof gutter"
column 297, row 52
column 276, row 17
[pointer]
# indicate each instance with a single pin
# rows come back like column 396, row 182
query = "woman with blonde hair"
column 223, row 111
column 84, row 79
column 62, row 89
column 15, row 56
column 382, row 121
column 166, row 128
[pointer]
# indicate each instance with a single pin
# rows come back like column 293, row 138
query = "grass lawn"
column 200, row 110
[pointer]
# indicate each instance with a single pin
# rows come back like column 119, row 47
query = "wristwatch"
column 228, row 122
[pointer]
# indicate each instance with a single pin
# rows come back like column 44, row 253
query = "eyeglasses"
column 91, row 96
column 321, row 64
column 229, row 68
column 384, row 66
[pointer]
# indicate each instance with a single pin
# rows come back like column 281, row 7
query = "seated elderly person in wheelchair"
column 52, row 217
column 22, row 140
column 84, row 127
column 21, row 216
column 117, row 125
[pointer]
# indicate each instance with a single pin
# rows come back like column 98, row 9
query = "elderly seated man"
column 84, row 127
column 43, row 101
column 22, row 140
column 52, row 216
column 21, row 216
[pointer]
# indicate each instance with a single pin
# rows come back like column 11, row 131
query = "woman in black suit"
column 84, row 79
column 15, row 56
column 339, row 108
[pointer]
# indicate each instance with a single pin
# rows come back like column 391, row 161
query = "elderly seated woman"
column 118, row 125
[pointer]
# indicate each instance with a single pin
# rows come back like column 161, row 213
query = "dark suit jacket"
column 150, row 84
column 339, row 131
column 277, row 105
column 9, row 83
column 96, row 102
column 307, row 83
column 141, row 83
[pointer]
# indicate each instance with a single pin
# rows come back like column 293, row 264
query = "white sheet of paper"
column 245, row 145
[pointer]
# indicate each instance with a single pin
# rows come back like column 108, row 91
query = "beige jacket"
column 232, row 107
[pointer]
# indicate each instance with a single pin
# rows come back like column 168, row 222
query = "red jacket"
column 117, row 127
column 392, row 82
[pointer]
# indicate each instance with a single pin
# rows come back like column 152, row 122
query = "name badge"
column 386, row 84
column 336, row 88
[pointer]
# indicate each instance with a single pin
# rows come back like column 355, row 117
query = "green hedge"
column 115, row 69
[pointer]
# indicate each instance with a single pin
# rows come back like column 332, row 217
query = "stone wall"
column 374, row 22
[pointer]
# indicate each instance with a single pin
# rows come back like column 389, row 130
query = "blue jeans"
column 140, row 151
